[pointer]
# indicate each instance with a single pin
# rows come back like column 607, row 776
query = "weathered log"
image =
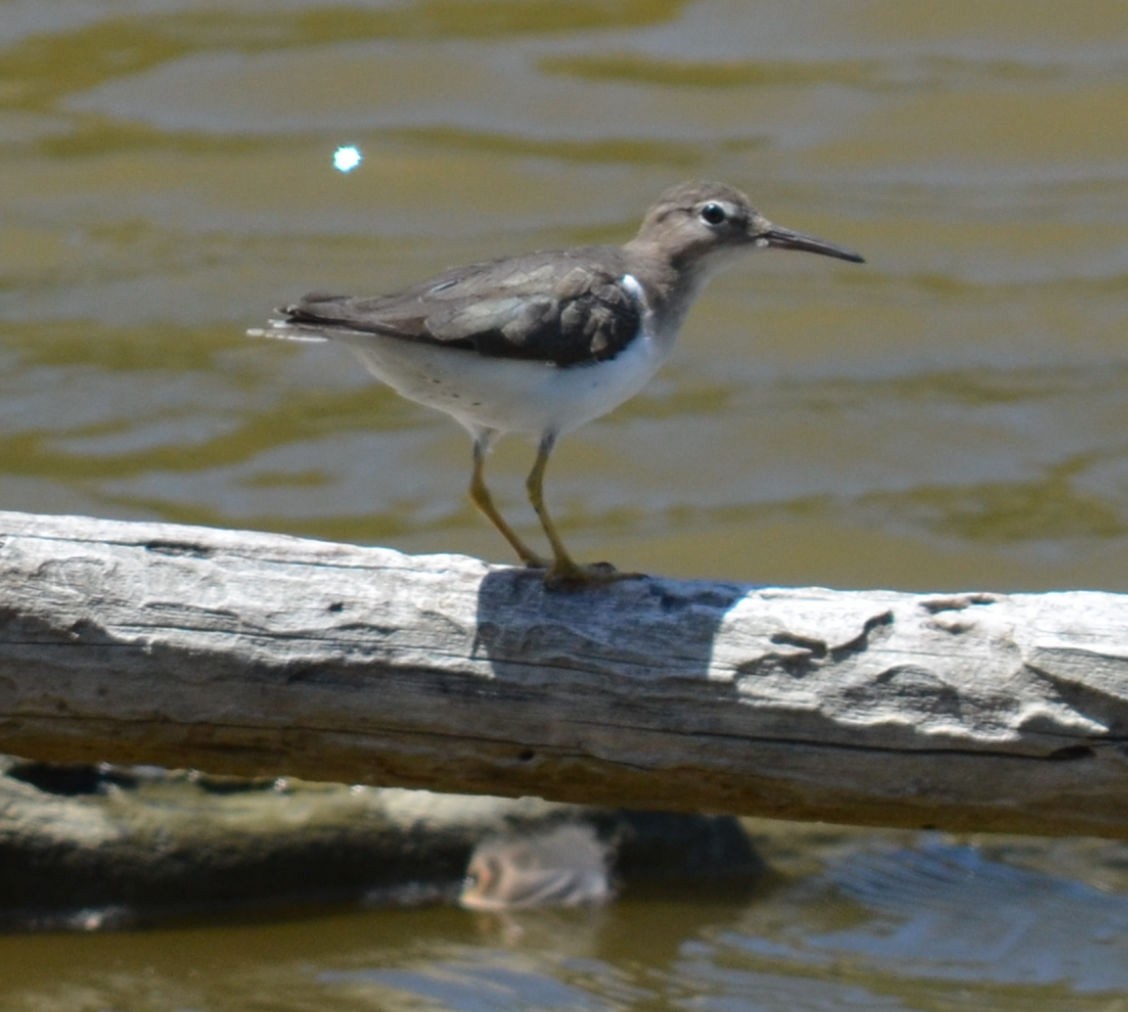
column 256, row 654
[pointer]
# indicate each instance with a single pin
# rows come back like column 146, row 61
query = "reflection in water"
column 564, row 866
column 936, row 915
column 346, row 158
column 951, row 912
column 953, row 416
column 875, row 928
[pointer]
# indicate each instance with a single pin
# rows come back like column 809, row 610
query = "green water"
column 950, row 415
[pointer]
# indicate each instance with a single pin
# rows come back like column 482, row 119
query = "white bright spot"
column 346, row 158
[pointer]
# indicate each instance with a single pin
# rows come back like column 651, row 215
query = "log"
column 260, row 654
column 110, row 846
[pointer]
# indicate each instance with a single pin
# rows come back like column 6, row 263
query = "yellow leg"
column 563, row 566
column 564, row 572
column 480, row 497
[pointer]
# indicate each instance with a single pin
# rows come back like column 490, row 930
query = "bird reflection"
column 566, row 866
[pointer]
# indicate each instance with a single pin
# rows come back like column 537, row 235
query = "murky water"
column 850, row 920
column 952, row 414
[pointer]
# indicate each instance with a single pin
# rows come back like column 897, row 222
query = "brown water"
column 952, row 414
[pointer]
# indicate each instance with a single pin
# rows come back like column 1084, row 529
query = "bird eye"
column 713, row 214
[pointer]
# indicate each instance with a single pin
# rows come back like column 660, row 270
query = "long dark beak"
column 784, row 238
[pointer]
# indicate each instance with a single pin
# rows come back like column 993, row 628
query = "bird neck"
column 671, row 283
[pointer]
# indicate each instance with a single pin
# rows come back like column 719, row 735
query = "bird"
column 542, row 343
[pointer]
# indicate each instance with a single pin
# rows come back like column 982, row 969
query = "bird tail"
column 285, row 330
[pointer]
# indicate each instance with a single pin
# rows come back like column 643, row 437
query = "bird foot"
column 568, row 575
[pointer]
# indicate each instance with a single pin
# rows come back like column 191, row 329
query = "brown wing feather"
column 563, row 308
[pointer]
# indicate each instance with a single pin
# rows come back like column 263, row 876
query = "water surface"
column 950, row 415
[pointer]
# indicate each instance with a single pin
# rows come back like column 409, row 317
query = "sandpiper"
column 542, row 343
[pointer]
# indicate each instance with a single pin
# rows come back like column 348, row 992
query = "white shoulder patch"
column 631, row 284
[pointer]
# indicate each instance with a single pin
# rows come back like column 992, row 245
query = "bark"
column 258, row 654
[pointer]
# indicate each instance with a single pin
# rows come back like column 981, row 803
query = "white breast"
column 516, row 395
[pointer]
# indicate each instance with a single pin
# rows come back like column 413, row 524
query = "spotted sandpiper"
column 542, row 343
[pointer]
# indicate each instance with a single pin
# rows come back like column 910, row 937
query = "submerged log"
column 108, row 846
column 259, row 654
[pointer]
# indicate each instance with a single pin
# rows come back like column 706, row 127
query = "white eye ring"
column 713, row 213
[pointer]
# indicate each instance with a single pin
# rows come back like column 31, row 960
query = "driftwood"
column 257, row 654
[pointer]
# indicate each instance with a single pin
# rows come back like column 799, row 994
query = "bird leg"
column 565, row 572
column 480, row 497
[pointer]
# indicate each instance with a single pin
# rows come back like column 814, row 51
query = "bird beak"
column 783, row 238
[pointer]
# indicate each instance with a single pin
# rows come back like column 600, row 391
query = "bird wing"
column 562, row 308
